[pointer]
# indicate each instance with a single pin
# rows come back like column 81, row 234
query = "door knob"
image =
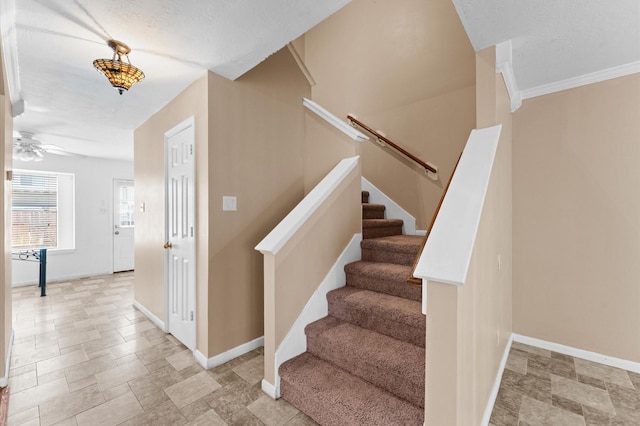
column 117, row 232
column 167, row 245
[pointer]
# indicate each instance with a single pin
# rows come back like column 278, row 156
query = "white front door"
column 180, row 232
column 123, row 225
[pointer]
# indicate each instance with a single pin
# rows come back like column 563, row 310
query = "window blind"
column 34, row 210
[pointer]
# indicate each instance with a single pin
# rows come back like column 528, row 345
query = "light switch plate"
column 229, row 203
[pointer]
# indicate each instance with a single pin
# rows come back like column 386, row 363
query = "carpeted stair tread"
column 365, row 196
column 400, row 249
column 392, row 316
column 375, row 228
column 386, row 278
column 333, row 397
column 393, row 365
column 373, row 211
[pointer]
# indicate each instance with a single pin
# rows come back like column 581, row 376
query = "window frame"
column 65, row 205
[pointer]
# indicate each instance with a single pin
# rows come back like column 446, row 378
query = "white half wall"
column 93, row 253
column 295, row 342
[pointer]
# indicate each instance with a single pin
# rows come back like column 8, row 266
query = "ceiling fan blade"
column 65, row 153
column 55, row 149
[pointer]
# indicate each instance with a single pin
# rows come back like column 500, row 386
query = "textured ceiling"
column 70, row 104
column 555, row 40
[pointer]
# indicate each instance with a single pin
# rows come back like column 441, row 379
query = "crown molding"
column 583, row 80
column 504, row 66
column 515, row 95
column 10, row 50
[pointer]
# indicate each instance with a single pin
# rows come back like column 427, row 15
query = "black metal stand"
column 42, row 280
column 39, row 255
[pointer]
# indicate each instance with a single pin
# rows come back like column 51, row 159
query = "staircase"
column 365, row 361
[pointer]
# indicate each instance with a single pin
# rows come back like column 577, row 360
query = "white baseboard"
column 295, row 342
column 496, row 383
column 393, row 210
column 579, row 353
column 154, row 319
column 209, row 363
column 24, row 284
column 556, row 347
column 270, row 390
column 52, row 280
column 4, row 381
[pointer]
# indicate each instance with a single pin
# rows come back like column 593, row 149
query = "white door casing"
column 180, row 232
column 123, row 225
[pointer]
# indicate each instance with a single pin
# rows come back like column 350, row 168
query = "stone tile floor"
column 83, row 355
column 541, row 387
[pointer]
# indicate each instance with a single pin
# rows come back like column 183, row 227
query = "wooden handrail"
column 412, row 279
column 391, row 144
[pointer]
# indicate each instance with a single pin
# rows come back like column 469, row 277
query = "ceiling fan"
column 27, row 148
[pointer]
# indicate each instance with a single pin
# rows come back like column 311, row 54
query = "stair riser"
column 341, row 309
column 394, row 288
column 379, row 232
column 386, row 256
column 372, row 214
column 392, row 381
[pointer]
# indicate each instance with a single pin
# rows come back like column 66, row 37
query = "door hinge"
column 192, row 231
column 191, row 149
column 191, row 315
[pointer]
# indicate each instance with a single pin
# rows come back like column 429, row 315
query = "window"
column 125, row 206
column 42, row 210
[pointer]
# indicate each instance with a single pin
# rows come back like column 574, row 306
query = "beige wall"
column 6, row 135
column 149, row 178
column 468, row 326
column 255, row 153
column 407, row 68
column 296, row 271
column 249, row 135
column 577, row 218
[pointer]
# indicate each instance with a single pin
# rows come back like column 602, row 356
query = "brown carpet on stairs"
column 373, row 211
column 338, row 398
column 389, row 315
column 398, row 249
column 365, row 361
column 395, row 366
column 386, row 278
column 376, row 228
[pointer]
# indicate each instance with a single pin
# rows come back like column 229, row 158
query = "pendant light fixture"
column 121, row 75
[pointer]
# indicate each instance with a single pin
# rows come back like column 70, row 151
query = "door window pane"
column 126, row 206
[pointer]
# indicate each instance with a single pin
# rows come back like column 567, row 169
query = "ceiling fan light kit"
column 28, row 153
column 121, row 75
column 26, row 148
